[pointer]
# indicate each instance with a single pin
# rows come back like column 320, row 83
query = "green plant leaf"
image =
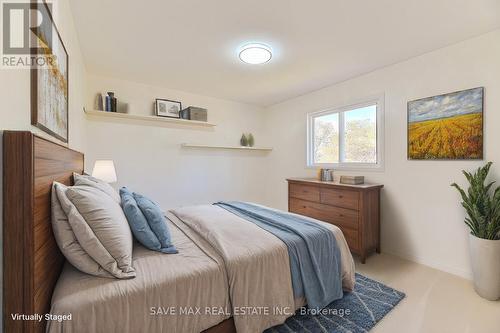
column 481, row 203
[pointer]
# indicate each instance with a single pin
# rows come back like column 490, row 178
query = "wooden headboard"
column 32, row 261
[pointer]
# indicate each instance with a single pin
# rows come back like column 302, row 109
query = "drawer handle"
column 304, row 206
column 341, row 196
column 341, row 215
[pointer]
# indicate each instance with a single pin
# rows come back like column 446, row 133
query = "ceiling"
column 192, row 45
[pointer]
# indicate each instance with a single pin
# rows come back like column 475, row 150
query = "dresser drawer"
column 340, row 198
column 352, row 238
column 304, row 192
column 335, row 215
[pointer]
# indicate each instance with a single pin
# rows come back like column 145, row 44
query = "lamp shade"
column 104, row 170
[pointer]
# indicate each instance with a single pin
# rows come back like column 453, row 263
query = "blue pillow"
column 137, row 221
column 157, row 222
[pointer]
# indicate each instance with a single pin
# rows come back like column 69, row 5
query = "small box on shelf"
column 194, row 113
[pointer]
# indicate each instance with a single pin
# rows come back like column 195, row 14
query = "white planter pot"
column 485, row 257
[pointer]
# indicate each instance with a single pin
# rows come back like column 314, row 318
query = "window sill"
column 349, row 167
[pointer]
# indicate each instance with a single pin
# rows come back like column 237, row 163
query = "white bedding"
column 257, row 264
column 225, row 265
column 194, row 278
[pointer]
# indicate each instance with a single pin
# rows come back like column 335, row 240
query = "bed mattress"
column 185, row 292
column 257, row 264
column 225, row 263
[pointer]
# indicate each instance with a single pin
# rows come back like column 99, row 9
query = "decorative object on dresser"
column 325, row 175
column 167, row 108
column 482, row 205
column 352, row 180
column 49, row 83
column 355, row 209
column 194, row 113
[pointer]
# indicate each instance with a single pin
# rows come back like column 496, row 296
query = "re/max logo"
column 26, row 27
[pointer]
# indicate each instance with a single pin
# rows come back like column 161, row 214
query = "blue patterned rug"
column 356, row 312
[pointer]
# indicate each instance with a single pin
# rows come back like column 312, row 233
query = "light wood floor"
column 435, row 301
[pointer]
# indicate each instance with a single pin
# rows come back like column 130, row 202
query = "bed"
column 164, row 285
column 215, row 269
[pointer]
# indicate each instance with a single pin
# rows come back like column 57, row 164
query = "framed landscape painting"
column 446, row 127
column 49, row 83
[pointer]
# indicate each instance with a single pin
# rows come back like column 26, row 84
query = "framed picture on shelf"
column 49, row 83
column 167, row 108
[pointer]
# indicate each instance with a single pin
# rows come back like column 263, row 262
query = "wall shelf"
column 192, row 145
column 151, row 119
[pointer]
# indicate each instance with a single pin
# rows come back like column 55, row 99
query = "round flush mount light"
column 255, row 54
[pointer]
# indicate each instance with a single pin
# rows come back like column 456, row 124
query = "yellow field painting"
column 458, row 137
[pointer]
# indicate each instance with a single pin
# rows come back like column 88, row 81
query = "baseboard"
column 466, row 274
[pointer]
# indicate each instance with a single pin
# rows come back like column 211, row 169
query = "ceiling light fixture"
column 255, row 54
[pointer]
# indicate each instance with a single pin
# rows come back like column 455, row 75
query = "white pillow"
column 66, row 239
column 107, row 222
column 97, row 183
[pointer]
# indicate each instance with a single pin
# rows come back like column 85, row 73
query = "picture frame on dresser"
column 354, row 209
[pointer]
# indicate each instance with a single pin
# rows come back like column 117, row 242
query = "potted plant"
column 482, row 204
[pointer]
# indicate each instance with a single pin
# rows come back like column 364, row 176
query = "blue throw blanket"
column 312, row 248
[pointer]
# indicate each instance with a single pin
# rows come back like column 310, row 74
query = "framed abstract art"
column 49, row 83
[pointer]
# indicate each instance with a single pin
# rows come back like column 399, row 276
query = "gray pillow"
column 66, row 239
column 107, row 222
column 97, row 183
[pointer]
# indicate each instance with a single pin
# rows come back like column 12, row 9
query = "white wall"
column 421, row 214
column 15, row 86
column 149, row 158
column 15, row 91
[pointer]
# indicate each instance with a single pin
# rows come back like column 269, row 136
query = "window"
column 348, row 137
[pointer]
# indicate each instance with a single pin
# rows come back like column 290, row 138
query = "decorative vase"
column 243, row 140
column 251, row 140
column 113, row 101
column 485, row 258
column 107, row 103
column 99, row 104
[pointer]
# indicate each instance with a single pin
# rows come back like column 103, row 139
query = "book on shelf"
column 352, row 180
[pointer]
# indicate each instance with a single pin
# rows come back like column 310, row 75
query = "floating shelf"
column 191, row 145
column 152, row 119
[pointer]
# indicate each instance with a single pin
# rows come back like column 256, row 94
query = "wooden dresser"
column 355, row 209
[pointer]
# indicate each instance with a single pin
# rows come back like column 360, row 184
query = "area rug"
column 358, row 311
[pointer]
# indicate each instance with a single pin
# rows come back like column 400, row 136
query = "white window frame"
column 379, row 166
